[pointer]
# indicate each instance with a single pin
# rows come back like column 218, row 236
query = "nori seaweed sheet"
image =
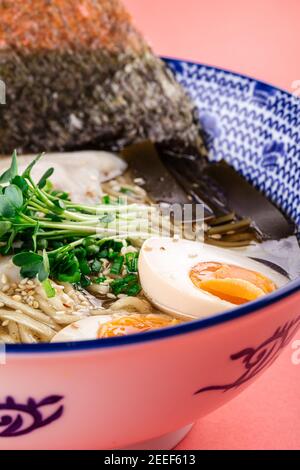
column 79, row 74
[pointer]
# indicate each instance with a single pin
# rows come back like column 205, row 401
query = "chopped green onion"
column 99, row 280
column 117, row 265
column 96, row 266
column 131, row 262
column 121, row 286
column 106, row 199
column 134, row 290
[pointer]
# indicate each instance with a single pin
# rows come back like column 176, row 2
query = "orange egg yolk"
column 134, row 323
column 231, row 283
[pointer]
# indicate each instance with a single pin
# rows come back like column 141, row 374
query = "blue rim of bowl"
column 178, row 60
column 190, row 327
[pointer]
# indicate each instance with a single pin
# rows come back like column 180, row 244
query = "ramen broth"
column 109, row 264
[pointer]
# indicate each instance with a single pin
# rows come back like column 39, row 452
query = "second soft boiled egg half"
column 111, row 326
column 196, row 280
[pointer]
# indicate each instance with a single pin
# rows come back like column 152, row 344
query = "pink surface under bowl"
column 145, row 391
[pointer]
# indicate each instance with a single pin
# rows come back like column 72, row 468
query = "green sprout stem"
column 33, row 215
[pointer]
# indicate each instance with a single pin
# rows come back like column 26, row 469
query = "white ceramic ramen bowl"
column 145, row 390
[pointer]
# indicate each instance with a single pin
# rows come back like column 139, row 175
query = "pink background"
column 260, row 38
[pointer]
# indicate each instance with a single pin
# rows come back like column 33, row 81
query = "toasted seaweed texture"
column 78, row 73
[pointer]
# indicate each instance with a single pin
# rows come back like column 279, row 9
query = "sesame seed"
column 1, row 304
column 36, row 304
column 5, row 288
column 17, row 298
column 5, row 322
column 4, row 279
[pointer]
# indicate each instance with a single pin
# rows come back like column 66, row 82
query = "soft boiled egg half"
column 110, row 326
column 195, row 280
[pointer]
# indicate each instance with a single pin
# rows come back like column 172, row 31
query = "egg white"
column 164, row 267
column 81, row 330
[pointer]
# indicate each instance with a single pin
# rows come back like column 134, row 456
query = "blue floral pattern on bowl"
column 273, row 156
column 18, row 419
column 253, row 126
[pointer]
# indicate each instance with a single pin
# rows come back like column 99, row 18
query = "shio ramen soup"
column 86, row 251
column 85, row 255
